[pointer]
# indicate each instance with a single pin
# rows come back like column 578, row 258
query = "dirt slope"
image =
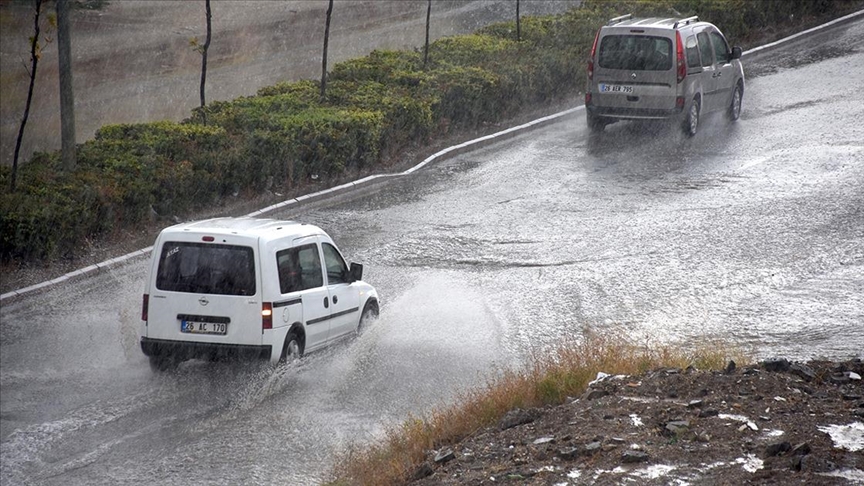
column 745, row 426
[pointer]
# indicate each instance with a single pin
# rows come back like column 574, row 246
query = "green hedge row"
column 284, row 134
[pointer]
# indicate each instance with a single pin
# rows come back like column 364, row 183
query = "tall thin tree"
column 67, row 97
column 204, row 49
column 518, row 24
column 324, row 57
column 426, row 46
column 35, row 55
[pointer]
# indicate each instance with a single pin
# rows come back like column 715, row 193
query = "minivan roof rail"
column 619, row 19
column 685, row 21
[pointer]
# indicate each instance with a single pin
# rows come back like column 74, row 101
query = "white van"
column 244, row 287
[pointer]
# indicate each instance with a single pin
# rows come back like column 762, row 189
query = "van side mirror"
column 736, row 52
column 356, row 272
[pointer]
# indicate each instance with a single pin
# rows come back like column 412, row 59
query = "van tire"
column 370, row 313
column 691, row 121
column 735, row 107
column 595, row 123
column 292, row 350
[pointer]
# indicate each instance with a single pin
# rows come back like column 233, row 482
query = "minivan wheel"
column 595, row 123
column 292, row 351
column 691, row 123
column 735, row 107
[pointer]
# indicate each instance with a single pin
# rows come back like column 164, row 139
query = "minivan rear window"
column 635, row 53
column 204, row 268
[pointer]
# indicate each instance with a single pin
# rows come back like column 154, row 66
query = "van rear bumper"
column 633, row 113
column 183, row 350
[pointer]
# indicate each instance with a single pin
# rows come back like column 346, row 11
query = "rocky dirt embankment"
column 773, row 423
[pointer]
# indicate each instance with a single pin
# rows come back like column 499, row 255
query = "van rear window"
column 635, row 53
column 204, row 268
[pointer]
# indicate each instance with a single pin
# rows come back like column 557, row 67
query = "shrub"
column 465, row 96
column 407, row 116
column 322, row 141
column 380, row 66
column 468, row 50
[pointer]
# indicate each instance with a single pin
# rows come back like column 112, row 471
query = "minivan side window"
column 705, row 49
column 299, row 268
column 693, row 60
column 721, row 49
column 206, row 268
column 337, row 271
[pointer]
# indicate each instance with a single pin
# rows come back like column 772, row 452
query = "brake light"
column 587, row 98
column 145, row 304
column 591, row 59
column 207, row 238
column 266, row 315
column 681, row 63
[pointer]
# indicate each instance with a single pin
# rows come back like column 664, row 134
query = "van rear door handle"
column 335, row 300
column 326, row 303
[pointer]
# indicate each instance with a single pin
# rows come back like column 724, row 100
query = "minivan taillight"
column 681, row 63
column 145, row 304
column 266, row 315
column 591, row 59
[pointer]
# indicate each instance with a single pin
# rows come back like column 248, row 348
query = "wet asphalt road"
column 751, row 234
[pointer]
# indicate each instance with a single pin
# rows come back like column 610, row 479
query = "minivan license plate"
column 196, row 327
column 615, row 88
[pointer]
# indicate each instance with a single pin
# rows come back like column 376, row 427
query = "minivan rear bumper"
column 183, row 350
column 633, row 113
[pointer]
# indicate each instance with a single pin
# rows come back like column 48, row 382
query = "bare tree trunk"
column 67, row 96
column 324, row 57
column 426, row 47
column 518, row 24
column 34, row 61
column 204, row 62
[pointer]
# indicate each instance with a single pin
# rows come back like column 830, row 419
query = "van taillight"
column 591, row 59
column 681, row 63
column 144, row 307
column 266, row 315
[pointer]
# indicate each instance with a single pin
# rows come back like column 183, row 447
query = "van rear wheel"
column 691, row 121
column 595, row 123
column 291, row 351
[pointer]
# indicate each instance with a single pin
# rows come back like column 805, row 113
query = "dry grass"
column 550, row 379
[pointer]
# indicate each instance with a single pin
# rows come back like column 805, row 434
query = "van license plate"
column 615, row 88
column 195, row 327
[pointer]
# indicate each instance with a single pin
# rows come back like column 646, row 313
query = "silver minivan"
column 662, row 68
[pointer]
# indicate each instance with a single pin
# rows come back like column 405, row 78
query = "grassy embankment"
column 548, row 380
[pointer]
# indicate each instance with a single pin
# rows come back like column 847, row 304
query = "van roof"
column 256, row 227
column 655, row 22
